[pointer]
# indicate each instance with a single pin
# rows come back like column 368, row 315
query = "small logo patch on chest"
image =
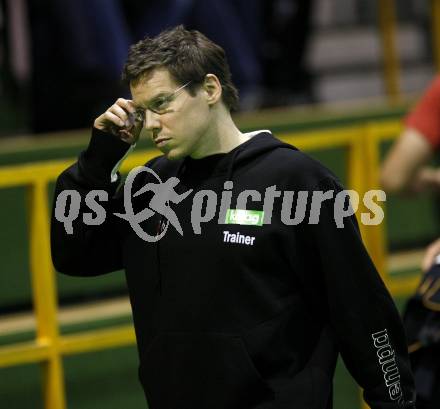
column 245, row 217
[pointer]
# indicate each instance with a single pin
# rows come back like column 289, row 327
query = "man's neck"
column 222, row 137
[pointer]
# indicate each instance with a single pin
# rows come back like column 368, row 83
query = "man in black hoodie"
column 237, row 304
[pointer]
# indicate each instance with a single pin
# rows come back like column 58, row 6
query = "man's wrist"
column 105, row 150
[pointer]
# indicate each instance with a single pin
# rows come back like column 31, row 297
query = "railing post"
column 355, row 170
column 387, row 28
column 45, row 294
column 435, row 28
column 377, row 235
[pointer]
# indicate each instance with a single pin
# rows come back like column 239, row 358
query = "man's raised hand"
column 120, row 119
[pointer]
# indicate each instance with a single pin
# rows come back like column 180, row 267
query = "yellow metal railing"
column 387, row 24
column 388, row 28
column 362, row 143
column 435, row 28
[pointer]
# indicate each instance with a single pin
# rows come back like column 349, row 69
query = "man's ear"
column 213, row 89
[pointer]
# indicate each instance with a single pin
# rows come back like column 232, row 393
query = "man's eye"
column 160, row 103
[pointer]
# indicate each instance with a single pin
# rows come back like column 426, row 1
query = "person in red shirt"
column 406, row 168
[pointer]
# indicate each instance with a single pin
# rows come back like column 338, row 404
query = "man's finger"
column 120, row 112
column 111, row 117
column 127, row 104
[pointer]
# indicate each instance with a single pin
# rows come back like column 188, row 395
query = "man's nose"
column 152, row 121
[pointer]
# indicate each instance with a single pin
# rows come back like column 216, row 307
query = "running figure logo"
column 164, row 193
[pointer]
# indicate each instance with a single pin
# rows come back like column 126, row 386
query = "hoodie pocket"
column 309, row 389
column 201, row 371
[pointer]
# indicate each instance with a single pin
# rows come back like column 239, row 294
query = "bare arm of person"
column 404, row 168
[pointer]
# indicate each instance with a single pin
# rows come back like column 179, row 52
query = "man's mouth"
column 161, row 142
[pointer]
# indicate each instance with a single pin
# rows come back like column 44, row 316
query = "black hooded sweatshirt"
column 240, row 316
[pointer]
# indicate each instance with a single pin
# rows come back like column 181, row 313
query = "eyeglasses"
column 160, row 105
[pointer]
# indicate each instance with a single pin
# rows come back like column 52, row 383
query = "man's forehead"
column 147, row 88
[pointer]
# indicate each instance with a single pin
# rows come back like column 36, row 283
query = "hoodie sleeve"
column 86, row 249
column 362, row 313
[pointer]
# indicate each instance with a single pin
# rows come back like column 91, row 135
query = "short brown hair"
column 187, row 54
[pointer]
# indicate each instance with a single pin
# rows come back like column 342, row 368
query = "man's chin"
column 173, row 154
